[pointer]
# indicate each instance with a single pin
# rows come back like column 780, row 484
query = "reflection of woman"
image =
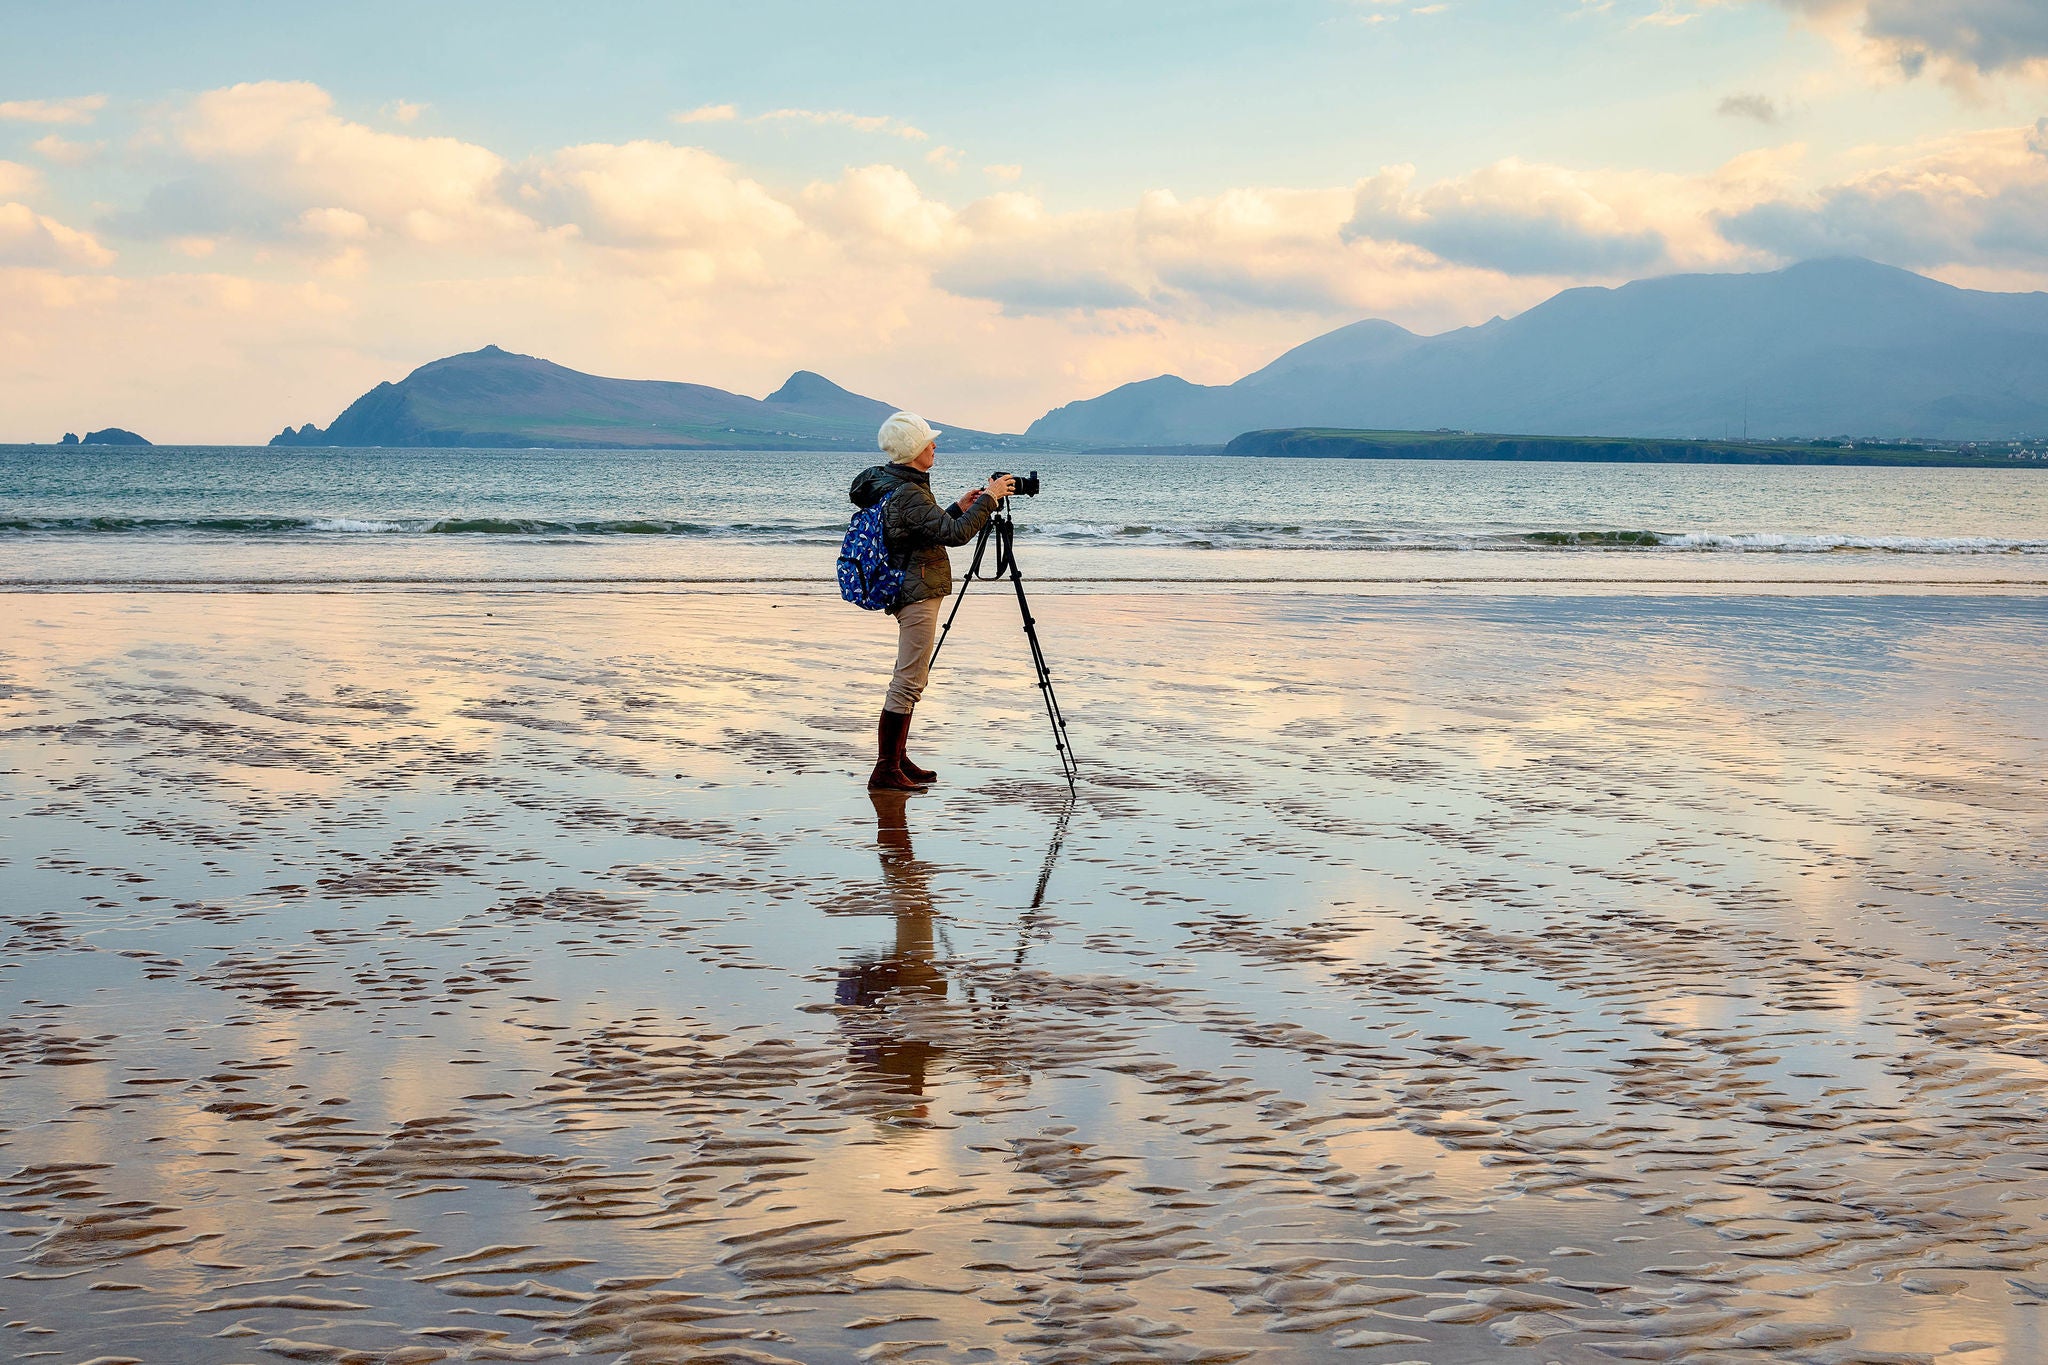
column 916, row 532
column 908, row 967
column 907, row 884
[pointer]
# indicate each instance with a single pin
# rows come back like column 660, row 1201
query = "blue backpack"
column 866, row 577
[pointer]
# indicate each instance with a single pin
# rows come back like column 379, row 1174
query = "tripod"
column 1003, row 531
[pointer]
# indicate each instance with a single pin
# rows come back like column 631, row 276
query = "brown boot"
column 888, row 774
column 920, row 775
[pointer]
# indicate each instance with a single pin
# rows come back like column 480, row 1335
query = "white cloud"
column 1243, row 251
column 27, row 238
column 79, row 109
column 707, row 113
column 946, row 159
column 65, row 152
column 258, row 156
column 1523, row 218
column 1003, row 173
column 839, row 118
column 335, row 224
column 1668, row 14
column 18, row 181
column 404, row 111
column 1976, row 200
column 881, row 207
column 653, row 195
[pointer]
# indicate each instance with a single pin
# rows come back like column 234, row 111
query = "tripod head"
column 1001, row 528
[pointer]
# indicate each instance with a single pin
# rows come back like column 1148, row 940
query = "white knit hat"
column 904, row 436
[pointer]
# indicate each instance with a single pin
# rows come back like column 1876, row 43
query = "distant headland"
column 1327, row 443
column 492, row 398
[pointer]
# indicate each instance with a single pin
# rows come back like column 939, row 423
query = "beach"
column 406, row 975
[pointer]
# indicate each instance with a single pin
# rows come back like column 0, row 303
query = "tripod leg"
column 973, row 571
column 1052, row 701
column 946, row 629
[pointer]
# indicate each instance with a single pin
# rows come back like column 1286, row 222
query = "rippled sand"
column 407, row 977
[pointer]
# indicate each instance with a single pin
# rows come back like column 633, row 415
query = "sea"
column 212, row 517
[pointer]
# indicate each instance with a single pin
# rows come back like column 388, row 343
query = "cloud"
column 27, row 238
column 65, row 152
column 1762, row 108
column 1513, row 217
column 946, row 159
column 1980, row 200
column 18, row 181
column 880, row 209
column 653, row 195
column 1528, row 220
column 404, row 111
column 707, row 113
column 334, row 224
column 257, row 156
column 1013, row 253
column 2037, row 140
column 1958, row 39
column 1668, row 14
column 79, row 109
column 1003, row 173
column 839, row 118
column 1241, row 252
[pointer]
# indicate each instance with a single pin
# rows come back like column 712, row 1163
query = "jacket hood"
column 871, row 485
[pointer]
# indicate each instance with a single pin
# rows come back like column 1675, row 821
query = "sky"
column 220, row 219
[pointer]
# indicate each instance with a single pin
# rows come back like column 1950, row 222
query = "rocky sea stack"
column 106, row 436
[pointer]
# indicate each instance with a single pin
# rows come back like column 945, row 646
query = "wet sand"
column 399, row 977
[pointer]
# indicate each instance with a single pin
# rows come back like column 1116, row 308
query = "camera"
column 1027, row 484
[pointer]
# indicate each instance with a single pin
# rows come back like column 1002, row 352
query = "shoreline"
column 1147, row 585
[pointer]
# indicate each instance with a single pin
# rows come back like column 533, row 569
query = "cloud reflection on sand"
column 395, row 978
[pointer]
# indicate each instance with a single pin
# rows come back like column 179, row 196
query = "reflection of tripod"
column 1003, row 532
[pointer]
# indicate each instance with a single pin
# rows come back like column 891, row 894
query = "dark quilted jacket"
column 917, row 529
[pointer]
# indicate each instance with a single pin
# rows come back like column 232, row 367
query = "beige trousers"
column 917, row 629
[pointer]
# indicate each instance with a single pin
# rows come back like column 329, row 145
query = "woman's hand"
column 997, row 488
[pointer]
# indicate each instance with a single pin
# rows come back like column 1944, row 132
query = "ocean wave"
column 478, row 526
column 1764, row 543
column 1242, row 536
column 116, row 525
column 353, row 526
column 1218, row 535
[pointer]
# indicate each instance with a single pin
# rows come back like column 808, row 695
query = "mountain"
column 493, row 398
column 1829, row 347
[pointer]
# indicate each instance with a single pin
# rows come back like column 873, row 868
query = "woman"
column 916, row 532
